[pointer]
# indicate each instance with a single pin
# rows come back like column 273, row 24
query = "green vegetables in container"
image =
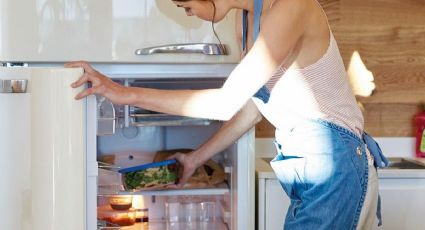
column 150, row 176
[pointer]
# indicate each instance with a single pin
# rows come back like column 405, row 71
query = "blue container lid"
column 146, row 166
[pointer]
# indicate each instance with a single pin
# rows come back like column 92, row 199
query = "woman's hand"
column 189, row 162
column 100, row 84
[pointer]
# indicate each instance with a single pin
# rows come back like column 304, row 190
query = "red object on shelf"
column 420, row 133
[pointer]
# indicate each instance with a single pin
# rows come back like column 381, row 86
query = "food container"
column 121, row 218
column 142, row 215
column 121, row 202
column 150, row 176
column 103, row 225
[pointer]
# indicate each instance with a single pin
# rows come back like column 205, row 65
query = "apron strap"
column 258, row 6
column 375, row 150
column 263, row 93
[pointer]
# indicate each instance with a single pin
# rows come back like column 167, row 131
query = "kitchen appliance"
column 51, row 146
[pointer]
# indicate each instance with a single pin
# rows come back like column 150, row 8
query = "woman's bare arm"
column 232, row 130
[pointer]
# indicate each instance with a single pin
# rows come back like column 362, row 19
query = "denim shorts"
column 323, row 168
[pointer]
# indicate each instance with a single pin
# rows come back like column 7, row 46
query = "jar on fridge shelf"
column 121, row 202
column 142, row 215
column 119, row 217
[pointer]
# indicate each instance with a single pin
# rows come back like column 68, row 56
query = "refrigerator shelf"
column 220, row 189
column 140, row 120
column 160, row 225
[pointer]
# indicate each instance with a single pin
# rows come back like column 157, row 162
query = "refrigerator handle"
column 203, row 48
column 13, row 86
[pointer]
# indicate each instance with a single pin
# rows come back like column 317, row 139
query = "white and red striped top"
column 318, row 91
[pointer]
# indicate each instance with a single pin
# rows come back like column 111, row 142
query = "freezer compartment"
column 130, row 116
column 108, row 32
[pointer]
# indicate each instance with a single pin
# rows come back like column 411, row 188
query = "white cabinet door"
column 15, row 161
column 272, row 205
column 403, row 204
column 277, row 203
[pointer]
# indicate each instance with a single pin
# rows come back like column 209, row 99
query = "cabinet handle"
column 13, row 86
column 203, row 48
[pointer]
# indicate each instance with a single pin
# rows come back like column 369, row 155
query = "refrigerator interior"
column 137, row 136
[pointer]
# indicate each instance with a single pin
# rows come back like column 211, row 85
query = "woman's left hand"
column 100, row 84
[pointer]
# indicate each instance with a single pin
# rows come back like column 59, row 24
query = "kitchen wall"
column 383, row 39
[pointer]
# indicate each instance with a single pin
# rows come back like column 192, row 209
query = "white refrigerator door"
column 15, row 156
column 106, row 31
column 46, row 151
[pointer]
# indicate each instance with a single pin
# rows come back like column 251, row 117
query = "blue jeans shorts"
column 323, row 168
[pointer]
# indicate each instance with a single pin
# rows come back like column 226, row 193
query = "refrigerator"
column 54, row 150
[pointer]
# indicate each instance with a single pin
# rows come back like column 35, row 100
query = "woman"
column 291, row 73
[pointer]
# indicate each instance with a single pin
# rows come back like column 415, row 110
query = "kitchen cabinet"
column 403, row 199
column 271, row 201
column 272, row 204
column 402, row 193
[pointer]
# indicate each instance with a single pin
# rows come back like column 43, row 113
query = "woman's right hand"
column 189, row 163
column 100, row 84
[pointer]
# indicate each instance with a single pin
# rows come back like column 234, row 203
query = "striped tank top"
column 318, row 91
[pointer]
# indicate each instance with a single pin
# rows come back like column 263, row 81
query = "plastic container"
column 151, row 176
column 121, row 203
column 206, row 211
column 142, row 215
column 121, row 218
column 420, row 133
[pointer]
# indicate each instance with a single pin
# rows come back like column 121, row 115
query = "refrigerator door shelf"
column 220, row 189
